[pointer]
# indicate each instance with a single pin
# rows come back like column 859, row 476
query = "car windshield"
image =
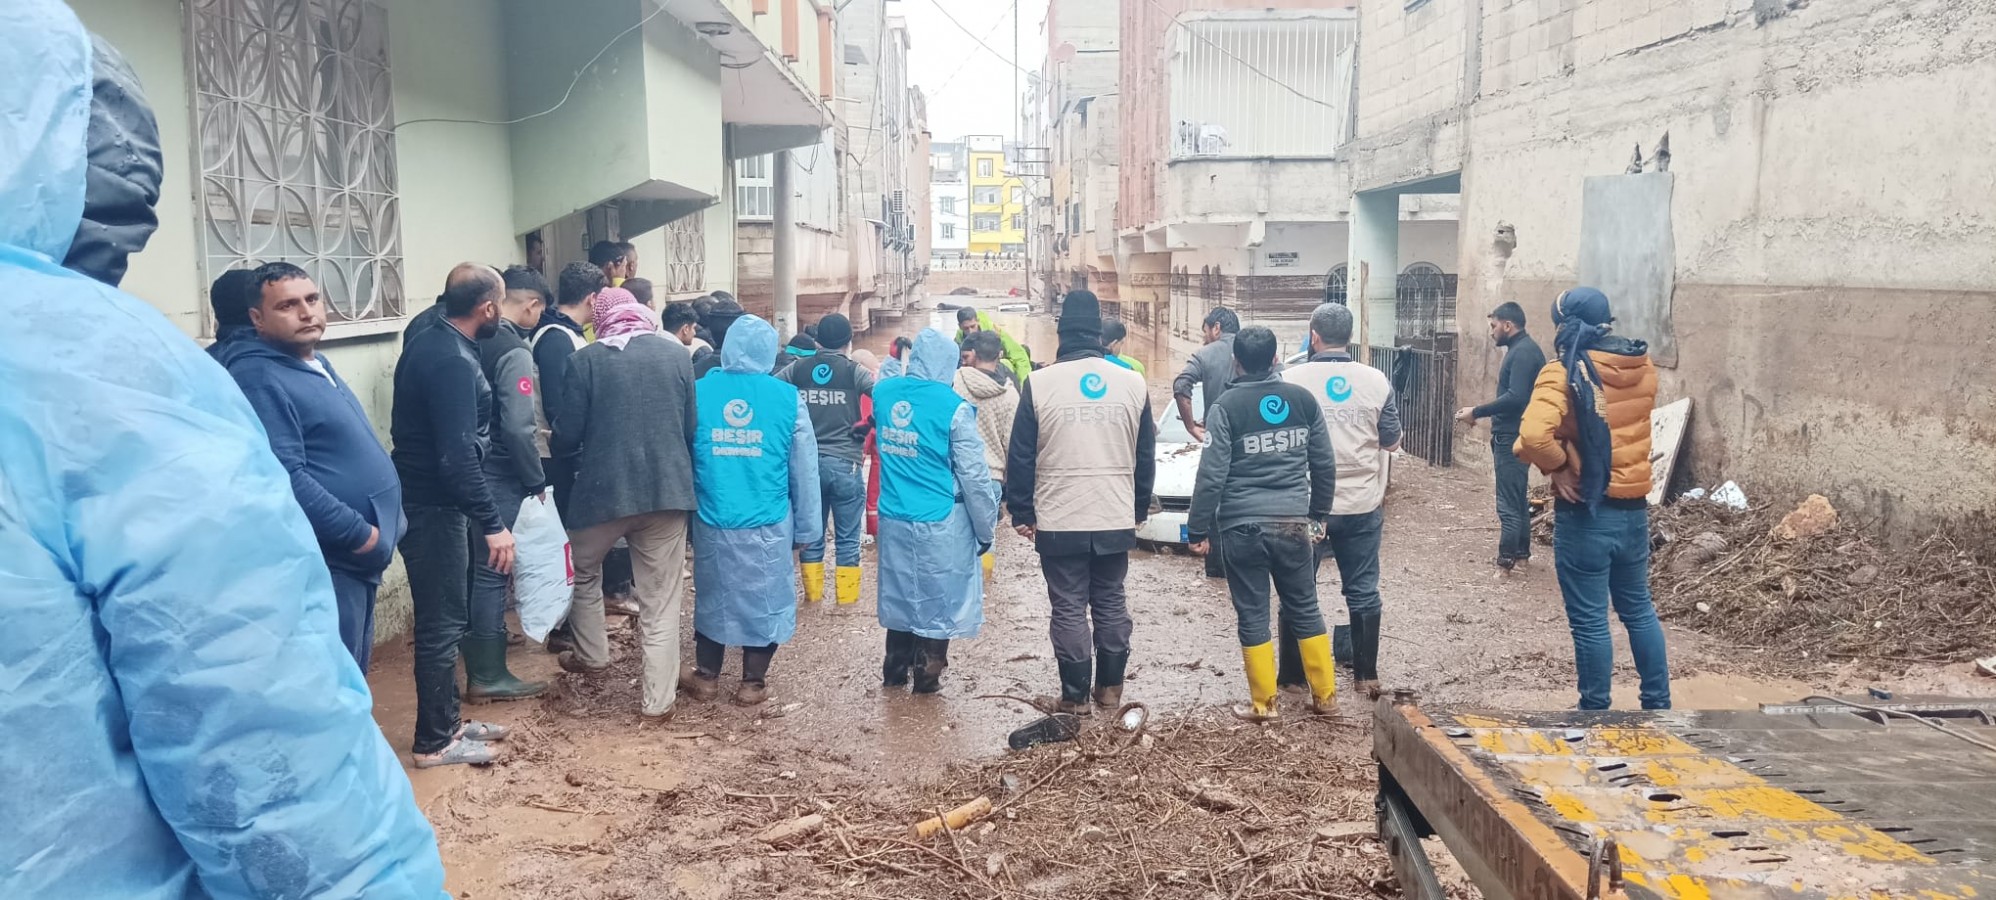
column 1169, row 429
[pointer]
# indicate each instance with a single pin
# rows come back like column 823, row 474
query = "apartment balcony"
column 779, row 71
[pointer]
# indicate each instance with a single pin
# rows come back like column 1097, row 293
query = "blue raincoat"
column 755, row 468
column 937, row 504
column 180, row 718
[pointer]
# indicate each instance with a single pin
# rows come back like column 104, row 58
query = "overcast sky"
column 969, row 89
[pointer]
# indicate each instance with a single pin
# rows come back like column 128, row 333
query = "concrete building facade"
column 1822, row 293
column 427, row 181
column 1081, row 105
column 997, row 198
column 949, row 195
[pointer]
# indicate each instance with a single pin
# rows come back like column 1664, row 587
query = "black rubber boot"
column 900, row 658
column 1056, row 727
column 1289, row 661
column 708, row 655
column 931, row 658
column 755, row 675
column 1365, row 652
column 1076, row 678
column 1341, row 645
column 1109, row 678
column 485, row 674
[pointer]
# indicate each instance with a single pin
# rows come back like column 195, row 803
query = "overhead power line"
column 980, row 41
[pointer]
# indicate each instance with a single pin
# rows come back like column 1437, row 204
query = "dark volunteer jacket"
column 441, row 426
column 1265, row 437
column 342, row 478
column 831, row 385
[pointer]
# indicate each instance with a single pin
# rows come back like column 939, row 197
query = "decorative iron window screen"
column 295, row 111
column 685, row 254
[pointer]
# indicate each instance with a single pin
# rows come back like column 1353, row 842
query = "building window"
column 755, row 190
column 294, row 112
column 984, row 168
column 946, row 205
column 984, row 196
column 1018, row 221
column 985, row 222
column 949, row 231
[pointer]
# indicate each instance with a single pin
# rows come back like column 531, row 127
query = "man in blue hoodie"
column 341, row 476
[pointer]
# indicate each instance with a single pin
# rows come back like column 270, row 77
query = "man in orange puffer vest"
column 1588, row 429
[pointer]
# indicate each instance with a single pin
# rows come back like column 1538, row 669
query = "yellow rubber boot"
column 1260, row 664
column 848, row 585
column 1322, row 672
column 814, row 582
column 990, row 561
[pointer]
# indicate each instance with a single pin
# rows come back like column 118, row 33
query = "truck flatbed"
column 1819, row 800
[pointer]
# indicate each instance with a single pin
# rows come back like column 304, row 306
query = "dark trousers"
column 355, row 599
column 487, row 615
column 1514, row 511
column 437, row 551
column 1353, row 541
column 1090, row 611
column 561, row 478
column 709, row 654
column 1261, row 553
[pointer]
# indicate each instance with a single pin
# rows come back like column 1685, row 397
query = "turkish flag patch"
column 526, row 385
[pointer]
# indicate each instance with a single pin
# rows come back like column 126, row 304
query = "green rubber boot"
column 486, row 676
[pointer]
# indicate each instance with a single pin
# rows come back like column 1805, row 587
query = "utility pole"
column 783, row 246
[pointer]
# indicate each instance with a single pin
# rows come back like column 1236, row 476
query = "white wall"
column 957, row 193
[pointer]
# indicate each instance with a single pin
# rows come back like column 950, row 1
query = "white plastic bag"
column 543, row 570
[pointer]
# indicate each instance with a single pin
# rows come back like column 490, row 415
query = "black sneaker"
column 1052, row 729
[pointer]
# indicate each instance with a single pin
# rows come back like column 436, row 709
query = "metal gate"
column 1422, row 362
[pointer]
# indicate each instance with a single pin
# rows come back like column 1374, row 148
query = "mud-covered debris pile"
column 1804, row 583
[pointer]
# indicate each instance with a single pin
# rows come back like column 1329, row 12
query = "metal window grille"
column 294, row 108
column 685, row 254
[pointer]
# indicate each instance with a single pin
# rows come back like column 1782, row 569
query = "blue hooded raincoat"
column 178, row 710
column 755, row 468
column 937, row 504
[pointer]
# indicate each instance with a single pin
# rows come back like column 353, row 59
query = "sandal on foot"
column 459, row 753
column 482, row 731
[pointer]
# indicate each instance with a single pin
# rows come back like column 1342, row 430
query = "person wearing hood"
column 183, row 715
column 834, row 388
column 1587, row 428
column 343, row 479
column 516, row 474
column 970, row 320
column 628, row 421
column 1078, row 476
column 1268, row 438
column 230, row 296
column 755, row 465
column 983, row 385
column 937, row 512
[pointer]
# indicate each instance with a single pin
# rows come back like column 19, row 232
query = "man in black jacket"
column 1078, row 479
column 515, row 474
column 1522, row 361
column 441, row 428
column 557, row 338
column 1266, row 437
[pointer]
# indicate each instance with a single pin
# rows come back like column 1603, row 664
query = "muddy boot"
column 755, row 675
column 931, row 658
column 1258, row 663
column 1365, row 653
column 1341, row 645
column 900, row 658
column 1289, row 676
column 1109, row 678
column 703, row 688
column 1053, row 728
column 561, row 639
column 1076, row 678
column 486, row 677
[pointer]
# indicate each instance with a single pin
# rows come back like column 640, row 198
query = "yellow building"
column 997, row 200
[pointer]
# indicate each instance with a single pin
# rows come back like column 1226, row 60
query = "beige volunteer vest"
column 1352, row 394
column 1089, row 410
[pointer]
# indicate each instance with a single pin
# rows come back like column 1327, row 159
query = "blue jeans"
column 1261, row 553
column 843, row 489
column 1514, row 508
column 355, row 599
column 1603, row 558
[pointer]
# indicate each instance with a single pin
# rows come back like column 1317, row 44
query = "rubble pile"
column 1806, row 583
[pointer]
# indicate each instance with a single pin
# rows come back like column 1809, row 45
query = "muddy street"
column 595, row 801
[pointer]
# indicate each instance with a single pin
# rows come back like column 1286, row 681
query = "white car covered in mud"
column 1177, row 470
